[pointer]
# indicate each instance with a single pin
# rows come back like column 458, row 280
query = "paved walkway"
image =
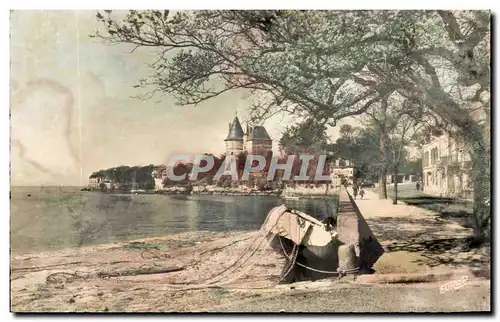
column 390, row 221
column 372, row 207
column 416, row 238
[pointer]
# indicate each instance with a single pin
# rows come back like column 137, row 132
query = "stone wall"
column 234, row 147
column 354, row 231
column 310, row 190
column 214, row 190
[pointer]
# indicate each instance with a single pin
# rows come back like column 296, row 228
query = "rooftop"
column 258, row 133
column 235, row 131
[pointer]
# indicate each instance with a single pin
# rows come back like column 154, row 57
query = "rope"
column 213, row 281
column 230, row 273
column 293, row 258
column 262, row 238
column 349, row 271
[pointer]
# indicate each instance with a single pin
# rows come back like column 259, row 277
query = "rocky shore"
column 301, row 192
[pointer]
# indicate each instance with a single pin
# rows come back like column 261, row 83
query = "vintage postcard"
column 250, row 161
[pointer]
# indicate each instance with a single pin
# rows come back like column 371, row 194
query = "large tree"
column 326, row 65
column 396, row 128
column 306, row 137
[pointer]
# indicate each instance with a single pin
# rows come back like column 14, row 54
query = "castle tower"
column 258, row 141
column 245, row 137
column 234, row 140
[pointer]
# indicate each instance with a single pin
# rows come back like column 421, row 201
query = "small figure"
column 418, row 186
column 355, row 189
column 362, row 193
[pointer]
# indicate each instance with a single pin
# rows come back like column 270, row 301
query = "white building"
column 159, row 178
column 95, row 182
column 446, row 167
column 341, row 169
column 446, row 163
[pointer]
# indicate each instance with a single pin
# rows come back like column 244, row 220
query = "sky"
column 73, row 110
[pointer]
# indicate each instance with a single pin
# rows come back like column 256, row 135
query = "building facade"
column 254, row 140
column 446, row 167
column 447, row 164
column 95, row 183
column 341, row 169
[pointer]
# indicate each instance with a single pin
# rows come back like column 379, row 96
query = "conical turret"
column 235, row 131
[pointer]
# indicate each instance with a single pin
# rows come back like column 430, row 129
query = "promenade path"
column 417, row 239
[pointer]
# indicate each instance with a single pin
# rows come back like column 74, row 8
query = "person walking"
column 355, row 188
column 418, row 186
column 361, row 193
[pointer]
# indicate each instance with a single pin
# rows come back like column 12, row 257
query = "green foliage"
column 321, row 65
column 309, row 136
column 412, row 167
column 362, row 147
column 179, row 169
column 325, row 65
column 126, row 176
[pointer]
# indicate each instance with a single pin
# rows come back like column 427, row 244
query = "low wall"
column 354, row 247
column 217, row 191
column 302, row 190
column 353, row 230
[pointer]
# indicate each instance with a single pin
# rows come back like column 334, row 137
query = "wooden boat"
column 312, row 247
column 316, row 241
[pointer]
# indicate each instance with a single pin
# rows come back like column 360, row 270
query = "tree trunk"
column 395, row 200
column 382, row 193
column 481, row 218
column 383, row 173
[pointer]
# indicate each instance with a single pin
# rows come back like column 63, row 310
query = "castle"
column 255, row 140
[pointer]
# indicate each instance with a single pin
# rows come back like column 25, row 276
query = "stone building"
column 446, row 167
column 446, row 161
column 95, row 182
column 255, row 140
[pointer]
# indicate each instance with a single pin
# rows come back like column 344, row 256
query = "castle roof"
column 235, row 131
column 259, row 133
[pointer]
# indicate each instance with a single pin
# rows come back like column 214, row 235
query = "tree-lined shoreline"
column 430, row 66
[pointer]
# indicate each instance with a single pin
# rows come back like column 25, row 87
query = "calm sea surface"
column 60, row 217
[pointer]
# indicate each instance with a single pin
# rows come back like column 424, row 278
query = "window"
column 434, row 156
column 426, row 159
